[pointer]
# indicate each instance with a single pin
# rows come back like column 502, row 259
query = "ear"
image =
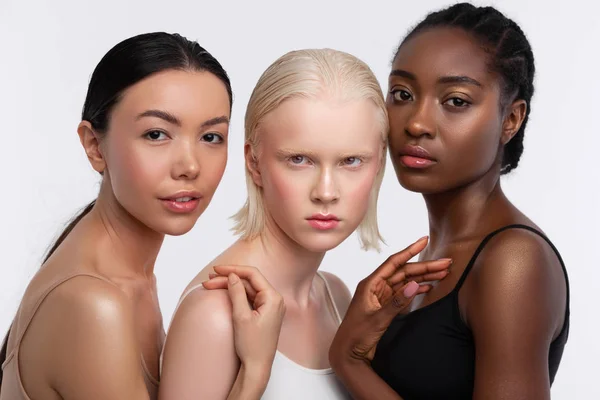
column 252, row 164
column 91, row 145
column 513, row 120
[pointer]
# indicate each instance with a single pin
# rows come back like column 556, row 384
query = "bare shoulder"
column 90, row 302
column 233, row 255
column 91, row 326
column 200, row 338
column 339, row 291
column 517, row 273
column 519, row 253
column 207, row 310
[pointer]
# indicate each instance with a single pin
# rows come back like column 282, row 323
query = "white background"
column 48, row 50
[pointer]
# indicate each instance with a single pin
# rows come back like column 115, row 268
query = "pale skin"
column 167, row 134
column 314, row 156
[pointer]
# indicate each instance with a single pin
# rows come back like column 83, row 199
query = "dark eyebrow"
column 443, row 80
column 404, row 74
column 459, row 79
column 215, row 121
column 170, row 118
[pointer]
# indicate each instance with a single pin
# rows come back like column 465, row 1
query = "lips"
column 182, row 202
column 183, row 196
column 323, row 222
column 415, row 157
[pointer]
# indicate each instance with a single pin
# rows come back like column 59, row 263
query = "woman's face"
column 317, row 160
column 166, row 148
column 447, row 128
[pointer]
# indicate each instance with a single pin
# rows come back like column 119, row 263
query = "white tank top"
column 291, row 381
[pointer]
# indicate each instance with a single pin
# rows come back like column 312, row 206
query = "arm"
column 94, row 353
column 199, row 359
column 516, row 305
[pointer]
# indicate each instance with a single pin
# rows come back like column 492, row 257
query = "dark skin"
column 444, row 98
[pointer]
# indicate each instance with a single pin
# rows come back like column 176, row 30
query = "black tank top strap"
column 485, row 241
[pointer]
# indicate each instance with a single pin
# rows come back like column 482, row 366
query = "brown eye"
column 155, row 136
column 401, row 95
column 457, row 102
column 212, row 138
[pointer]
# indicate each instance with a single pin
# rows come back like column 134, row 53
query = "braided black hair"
column 510, row 56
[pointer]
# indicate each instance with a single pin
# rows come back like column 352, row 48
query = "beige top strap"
column 20, row 328
column 330, row 296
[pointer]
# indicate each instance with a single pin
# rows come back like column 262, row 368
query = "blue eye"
column 212, row 138
column 352, row 161
column 156, row 136
column 297, row 160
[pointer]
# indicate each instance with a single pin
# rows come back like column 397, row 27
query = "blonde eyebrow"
column 285, row 153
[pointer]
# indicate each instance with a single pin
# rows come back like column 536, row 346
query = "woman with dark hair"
column 154, row 125
column 458, row 102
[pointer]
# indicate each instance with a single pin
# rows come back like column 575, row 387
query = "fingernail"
column 449, row 260
column 423, row 238
column 410, row 289
column 212, row 275
column 233, row 279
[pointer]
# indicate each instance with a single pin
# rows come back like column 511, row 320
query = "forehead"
column 323, row 125
column 186, row 94
column 444, row 51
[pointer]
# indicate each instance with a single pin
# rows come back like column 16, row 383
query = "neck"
column 132, row 247
column 289, row 267
column 459, row 213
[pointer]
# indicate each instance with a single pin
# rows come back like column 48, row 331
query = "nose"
column 421, row 121
column 186, row 165
column 325, row 189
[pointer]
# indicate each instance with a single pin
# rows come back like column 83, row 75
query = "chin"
column 321, row 242
column 175, row 228
column 420, row 183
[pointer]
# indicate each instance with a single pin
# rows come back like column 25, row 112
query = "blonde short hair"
column 309, row 74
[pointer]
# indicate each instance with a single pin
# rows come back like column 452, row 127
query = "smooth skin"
column 514, row 299
column 314, row 156
column 168, row 133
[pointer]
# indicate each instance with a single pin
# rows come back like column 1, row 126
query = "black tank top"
column 430, row 352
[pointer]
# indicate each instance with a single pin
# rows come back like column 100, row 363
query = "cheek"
column 136, row 168
column 284, row 189
column 212, row 167
column 358, row 191
column 473, row 142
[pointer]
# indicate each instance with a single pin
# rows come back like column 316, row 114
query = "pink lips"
column 182, row 202
column 323, row 221
column 416, row 157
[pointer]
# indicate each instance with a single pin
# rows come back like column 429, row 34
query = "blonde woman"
column 316, row 131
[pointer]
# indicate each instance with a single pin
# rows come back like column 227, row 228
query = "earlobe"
column 514, row 120
column 91, row 145
column 252, row 164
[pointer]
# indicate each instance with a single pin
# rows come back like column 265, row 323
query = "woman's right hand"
column 381, row 296
column 258, row 311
